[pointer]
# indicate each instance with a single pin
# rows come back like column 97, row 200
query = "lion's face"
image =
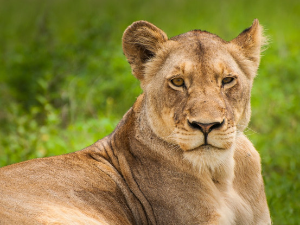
column 197, row 86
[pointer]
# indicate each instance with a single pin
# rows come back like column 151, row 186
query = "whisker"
column 225, row 134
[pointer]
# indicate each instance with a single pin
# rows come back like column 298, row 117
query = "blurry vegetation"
column 64, row 82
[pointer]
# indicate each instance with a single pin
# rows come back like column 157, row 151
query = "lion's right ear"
column 251, row 42
column 141, row 41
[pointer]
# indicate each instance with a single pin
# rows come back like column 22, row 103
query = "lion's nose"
column 205, row 127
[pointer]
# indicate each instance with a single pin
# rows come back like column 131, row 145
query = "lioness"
column 178, row 156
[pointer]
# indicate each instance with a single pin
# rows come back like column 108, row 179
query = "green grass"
column 64, row 82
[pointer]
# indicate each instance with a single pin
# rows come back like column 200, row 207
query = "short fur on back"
column 178, row 156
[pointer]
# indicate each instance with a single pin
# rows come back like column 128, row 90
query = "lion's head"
column 196, row 85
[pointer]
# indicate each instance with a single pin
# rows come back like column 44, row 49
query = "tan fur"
column 179, row 155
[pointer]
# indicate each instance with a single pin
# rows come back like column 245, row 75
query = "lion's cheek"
column 239, row 103
column 224, row 143
column 162, row 123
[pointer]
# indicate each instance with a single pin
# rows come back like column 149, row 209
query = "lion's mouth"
column 206, row 147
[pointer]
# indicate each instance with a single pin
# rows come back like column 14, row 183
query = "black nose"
column 205, row 127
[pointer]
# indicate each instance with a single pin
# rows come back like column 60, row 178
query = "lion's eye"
column 178, row 82
column 227, row 80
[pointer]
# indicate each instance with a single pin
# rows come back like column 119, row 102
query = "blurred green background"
column 64, row 82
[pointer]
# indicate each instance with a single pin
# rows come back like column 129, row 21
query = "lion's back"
column 71, row 188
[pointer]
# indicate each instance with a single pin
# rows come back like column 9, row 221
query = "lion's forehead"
column 208, row 67
column 201, row 43
column 199, row 56
column 198, row 35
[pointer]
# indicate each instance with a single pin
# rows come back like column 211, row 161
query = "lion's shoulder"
column 248, row 181
column 246, row 156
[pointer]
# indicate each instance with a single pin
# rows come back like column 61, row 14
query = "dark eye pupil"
column 178, row 82
column 227, row 80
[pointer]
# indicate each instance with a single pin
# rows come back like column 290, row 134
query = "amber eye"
column 178, row 82
column 227, row 80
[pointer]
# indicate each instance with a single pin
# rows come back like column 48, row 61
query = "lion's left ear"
column 141, row 41
column 251, row 41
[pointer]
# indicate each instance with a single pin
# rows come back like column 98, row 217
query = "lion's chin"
column 209, row 157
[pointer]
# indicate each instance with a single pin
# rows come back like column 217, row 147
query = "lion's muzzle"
column 206, row 128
